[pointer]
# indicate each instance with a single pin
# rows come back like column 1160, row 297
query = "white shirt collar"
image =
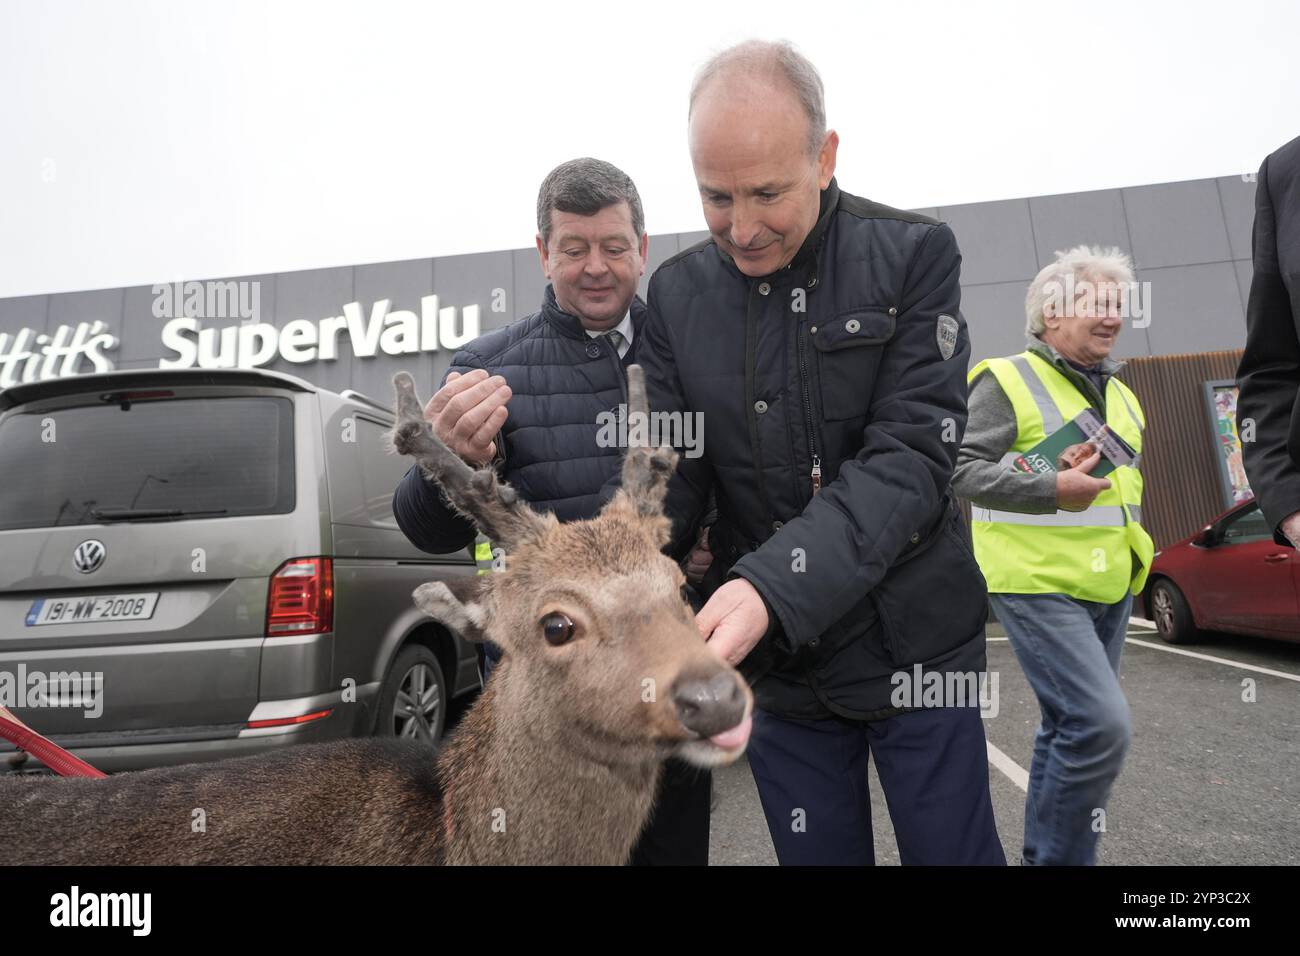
column 624, row 328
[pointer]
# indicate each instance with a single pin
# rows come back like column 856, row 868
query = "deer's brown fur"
column 557, row 761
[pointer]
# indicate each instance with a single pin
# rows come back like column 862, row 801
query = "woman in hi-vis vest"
column 1063, row 548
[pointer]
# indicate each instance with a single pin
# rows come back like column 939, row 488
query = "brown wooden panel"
column 1179, row 467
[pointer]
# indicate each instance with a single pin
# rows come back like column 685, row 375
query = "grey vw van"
column 198, row 564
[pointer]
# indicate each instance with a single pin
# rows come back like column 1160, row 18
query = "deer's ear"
column 461, row 603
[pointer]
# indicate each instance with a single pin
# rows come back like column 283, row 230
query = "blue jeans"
column 1069, row 650
column 933, row 766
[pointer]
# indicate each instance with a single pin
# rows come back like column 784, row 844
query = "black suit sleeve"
column 1269, row 374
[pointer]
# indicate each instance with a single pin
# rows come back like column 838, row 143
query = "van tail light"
column 290, row 721
column 300, row 599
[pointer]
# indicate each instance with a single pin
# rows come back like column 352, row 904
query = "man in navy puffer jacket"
column 530, row 398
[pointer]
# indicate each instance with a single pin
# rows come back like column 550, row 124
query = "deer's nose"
column 708, row 706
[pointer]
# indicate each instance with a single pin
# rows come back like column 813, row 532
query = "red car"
column 1229, row 576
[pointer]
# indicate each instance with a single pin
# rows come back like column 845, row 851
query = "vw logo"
column 89, row 556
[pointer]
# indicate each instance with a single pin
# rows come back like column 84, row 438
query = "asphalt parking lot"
column 1211, row 778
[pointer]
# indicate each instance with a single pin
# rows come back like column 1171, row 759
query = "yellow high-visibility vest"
column 1085, row 554
column 483, row 553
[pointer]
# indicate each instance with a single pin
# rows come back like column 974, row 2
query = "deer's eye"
column 557, row 628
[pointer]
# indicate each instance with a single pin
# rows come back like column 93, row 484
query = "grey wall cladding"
column 1190, row 240
column 1175, row 224
column 1193, row 309
column 1061, row 222
column 996, row 241
column 995, row 316
column 1238, row 198
column 24, row 312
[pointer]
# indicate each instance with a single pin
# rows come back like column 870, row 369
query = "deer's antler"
column 476, row 493
column 645, row 470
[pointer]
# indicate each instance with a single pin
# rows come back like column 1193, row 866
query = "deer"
column 604, row 676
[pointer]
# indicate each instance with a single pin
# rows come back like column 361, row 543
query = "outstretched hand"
column 733, row 620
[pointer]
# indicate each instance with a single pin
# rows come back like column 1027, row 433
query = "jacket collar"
column 810, row 252
column 568, row 324
column 1108, row 367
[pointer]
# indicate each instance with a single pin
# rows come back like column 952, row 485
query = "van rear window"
column 156, row 460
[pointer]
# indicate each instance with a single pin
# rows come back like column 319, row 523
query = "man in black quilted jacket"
column 532, row 397
column 1269, row 374
column 819, row 334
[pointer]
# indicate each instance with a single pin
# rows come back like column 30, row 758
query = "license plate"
column 92, row 609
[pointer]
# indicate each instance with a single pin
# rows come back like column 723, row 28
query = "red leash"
column 44, row 749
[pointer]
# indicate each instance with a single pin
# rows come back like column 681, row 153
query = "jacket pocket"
column 849, row 347
column 850, row 672
column 861, row 623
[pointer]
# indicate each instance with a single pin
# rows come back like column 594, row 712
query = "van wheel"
column 1172, row 615
column 414, row 697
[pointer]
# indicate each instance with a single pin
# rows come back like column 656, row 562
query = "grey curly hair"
column 1080, row 264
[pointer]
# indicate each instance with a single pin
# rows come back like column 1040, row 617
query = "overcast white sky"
column 146, row 141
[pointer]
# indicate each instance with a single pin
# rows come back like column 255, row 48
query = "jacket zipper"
column 815, row 476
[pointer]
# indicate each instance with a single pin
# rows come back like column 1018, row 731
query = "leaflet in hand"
column 1074, row 442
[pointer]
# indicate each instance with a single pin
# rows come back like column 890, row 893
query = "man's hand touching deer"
column 733, row 620
column 467, row 414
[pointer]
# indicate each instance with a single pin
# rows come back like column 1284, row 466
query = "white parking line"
column 1020, row 776
column 1213, row 660
column 1147, row 625
column 1016, row 773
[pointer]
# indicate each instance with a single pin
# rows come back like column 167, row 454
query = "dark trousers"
column 933, row 767
column 677, row 833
